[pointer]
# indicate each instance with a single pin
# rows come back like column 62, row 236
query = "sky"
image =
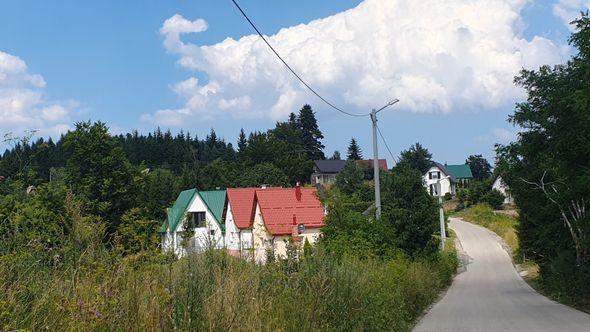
column 194, row 65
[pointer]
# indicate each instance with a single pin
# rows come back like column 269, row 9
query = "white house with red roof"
column 283, row 215
column 238, row 217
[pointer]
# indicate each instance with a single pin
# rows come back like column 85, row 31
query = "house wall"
column 210, row 236
column 446, row 185
column 262, row 239
column 503, row 188
column 232, row 232
column 323, row 178
column 173, row 242
column 237, row 241
column 280, row 242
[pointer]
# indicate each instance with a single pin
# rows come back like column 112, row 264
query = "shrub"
column 448, row 197
column 494, row 198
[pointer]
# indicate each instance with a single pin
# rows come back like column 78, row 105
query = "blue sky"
column 110, row 61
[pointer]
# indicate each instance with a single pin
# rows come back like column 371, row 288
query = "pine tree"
column 211, row 139
column 242, row 141
column 354, row 151
column 336, row 156
column 311, row 135
column 416, row 157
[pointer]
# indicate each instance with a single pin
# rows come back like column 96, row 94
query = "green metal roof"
column 215, row 201
column 177, row 211
column 460, row 171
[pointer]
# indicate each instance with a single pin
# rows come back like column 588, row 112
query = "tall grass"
column 216, row 292
column 503, row 225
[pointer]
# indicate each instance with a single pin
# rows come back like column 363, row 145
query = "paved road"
column 491, row 296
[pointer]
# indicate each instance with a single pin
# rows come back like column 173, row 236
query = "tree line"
column 548, row 169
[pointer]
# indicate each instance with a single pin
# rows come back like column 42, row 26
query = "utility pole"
column 376, row 167
column 376, row 159
column 443, row 231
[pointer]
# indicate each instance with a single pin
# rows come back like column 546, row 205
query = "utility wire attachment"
column 291, row 69
column 387, row 146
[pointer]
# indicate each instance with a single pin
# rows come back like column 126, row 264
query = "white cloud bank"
column 23, row 105
column 435, row 56
column 568, row 10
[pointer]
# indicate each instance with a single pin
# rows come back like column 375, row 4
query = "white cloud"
column 504, row 136
column 435, row 56
column 568, row 10
column 23, row 105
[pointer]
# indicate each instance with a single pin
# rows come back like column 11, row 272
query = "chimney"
column 298, row 191
column 294, row 228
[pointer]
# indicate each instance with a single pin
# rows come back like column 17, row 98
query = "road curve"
column 491, row 296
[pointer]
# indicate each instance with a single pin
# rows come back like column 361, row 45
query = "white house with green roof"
column 198, row 212
column 445, row 178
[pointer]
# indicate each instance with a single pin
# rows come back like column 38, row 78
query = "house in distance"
column 251, row 223
column 325, row 171
column 450, row 176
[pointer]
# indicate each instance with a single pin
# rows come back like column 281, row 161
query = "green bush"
column 448, row 197
column 494, row 198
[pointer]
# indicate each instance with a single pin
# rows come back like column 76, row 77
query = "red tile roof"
column 369, row 162
column 282, row 208
column 243, row 205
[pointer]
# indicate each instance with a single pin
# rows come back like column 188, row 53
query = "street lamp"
column 443, row 232
column 376, row 158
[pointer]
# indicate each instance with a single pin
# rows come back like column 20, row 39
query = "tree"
column 156, row 189
column 98, row 169
column 351, row 178
column 265, row 173
column 37, row 221
column 336, row 155
column 311, row 135
column 242, row 141
column 218, row 174
column 211, row 139
column 480, row 168
column 354, row 151
column 410, row 214
column 137, row 232
column 548, row 168
column 416, row 157
column 494, row 198
column 350, row 233
column 477, row 191
column 408, row 223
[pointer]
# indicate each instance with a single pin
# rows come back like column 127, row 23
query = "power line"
column 387, row 146
column 291, row 69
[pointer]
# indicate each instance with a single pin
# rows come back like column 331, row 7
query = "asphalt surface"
column 490, row 295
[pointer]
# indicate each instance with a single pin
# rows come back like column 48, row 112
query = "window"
column 196, row 219
column 434, row 189
column 212, row 232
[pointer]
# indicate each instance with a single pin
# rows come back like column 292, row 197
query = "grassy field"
column 216, row 292
column 501, row 224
